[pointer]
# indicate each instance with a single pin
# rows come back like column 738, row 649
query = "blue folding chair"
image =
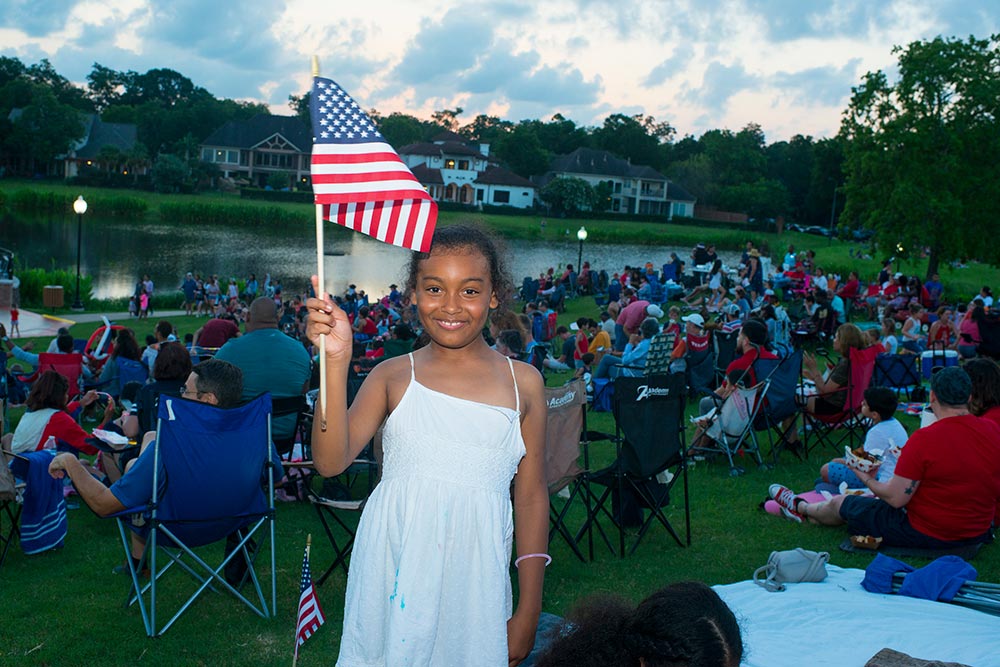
column 212, row 478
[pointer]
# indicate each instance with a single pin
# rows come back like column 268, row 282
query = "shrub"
column 33, row 282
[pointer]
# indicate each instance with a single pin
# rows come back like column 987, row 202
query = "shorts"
column 871, row 516
column 826, row 408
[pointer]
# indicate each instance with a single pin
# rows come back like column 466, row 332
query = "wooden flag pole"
column 321, row 281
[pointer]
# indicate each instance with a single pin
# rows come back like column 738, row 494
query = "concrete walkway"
column 36, row 325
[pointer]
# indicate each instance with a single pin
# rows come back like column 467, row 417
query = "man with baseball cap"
column 945, row 488
column 630, row 318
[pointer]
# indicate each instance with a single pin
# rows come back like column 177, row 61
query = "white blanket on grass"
column 840, row 624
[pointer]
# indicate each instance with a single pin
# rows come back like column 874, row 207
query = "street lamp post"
column 80, row 206
column 582, row 235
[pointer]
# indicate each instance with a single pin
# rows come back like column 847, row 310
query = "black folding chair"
column 897, row 371
column 285, row 407
column 724, row 344
column 649, row 442
column 10, row 507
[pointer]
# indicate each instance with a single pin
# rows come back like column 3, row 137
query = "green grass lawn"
column 65, row 607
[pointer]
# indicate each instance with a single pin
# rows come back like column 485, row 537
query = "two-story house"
column 256, row 148
column 633, row 189
column 453, row 171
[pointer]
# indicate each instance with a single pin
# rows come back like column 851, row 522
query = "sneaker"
column 790, row 515
column 783, row 496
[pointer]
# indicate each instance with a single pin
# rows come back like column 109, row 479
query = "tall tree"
column 637, row 138
column 921, row 151
column 45, row 128
column 447, row 118
column 105, row 86
column 522, row 151
column 401, row 129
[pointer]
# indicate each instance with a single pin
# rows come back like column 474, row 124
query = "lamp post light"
column 80, row 206
column 582, row 235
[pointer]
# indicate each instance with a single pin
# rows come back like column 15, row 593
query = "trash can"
column 52, row 296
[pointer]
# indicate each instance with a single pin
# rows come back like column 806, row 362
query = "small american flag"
column 310, row 613
column 359, row 179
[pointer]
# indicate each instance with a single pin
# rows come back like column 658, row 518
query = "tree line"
column 914, row 159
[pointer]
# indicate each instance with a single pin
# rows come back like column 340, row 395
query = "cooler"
column 932, row 358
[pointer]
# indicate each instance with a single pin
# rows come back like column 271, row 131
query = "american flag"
column 359, row 179
column 310, row 613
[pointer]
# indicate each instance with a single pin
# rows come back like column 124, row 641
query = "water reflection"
column 116, row 252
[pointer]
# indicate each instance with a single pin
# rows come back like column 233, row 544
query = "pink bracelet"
column 548, row 559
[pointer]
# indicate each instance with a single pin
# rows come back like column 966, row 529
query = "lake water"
column 116, row 251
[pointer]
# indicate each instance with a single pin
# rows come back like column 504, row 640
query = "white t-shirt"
column 885, row 436
column 890, row 344
column 716, row 280
column 987, row 301
column 820, row 282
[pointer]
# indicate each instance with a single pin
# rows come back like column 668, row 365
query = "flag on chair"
column 359, row 179
column 310, row 613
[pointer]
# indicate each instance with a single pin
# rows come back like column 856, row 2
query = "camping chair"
column 207, row 485
column 649, row 443
column 567, row 440
column 700, row 372
column 287, row 406
column 11, row 502
column 782, row 376
column 724, row 344
column 334, row 500
column 897, row 371
column 847, row 426
column 68, row 365
column 129, row 370
column 731, row 427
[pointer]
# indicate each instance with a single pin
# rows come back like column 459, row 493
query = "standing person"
column 15, row 318
column 430, row 582
column 147, row 284
column 189, row 286
column 143, row 304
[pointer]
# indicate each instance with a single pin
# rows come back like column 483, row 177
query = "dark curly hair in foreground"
column 682, row 625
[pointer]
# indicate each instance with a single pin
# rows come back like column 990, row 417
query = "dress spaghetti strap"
column 413, row 375
column 517, row 395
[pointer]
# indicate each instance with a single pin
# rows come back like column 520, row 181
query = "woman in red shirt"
column 47, row 416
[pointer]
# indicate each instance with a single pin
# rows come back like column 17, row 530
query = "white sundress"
column 429, row 581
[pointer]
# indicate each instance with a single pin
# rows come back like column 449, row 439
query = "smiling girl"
column 429, row 581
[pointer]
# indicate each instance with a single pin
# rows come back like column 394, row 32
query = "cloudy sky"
column 786, row 64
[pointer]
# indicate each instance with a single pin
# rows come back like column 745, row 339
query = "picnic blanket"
column 837, row 623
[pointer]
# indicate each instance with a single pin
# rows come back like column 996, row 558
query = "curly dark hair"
column 469, row 237
column 48, row 391
column 685, row 624
column 985, row 376
column 126, row 346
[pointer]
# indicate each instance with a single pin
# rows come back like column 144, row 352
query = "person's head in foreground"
column 215, row 382
column 985, row 376
column 950, row 389
column 685, row 624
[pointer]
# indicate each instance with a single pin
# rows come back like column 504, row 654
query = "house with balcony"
column 635, row 189
column 453, row 171
column 256, row 148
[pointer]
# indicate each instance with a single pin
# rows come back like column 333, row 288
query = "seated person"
column 600, row 340
column 64, row 345
column 170, row 370
column 685, row 623
column 213, row 382
column 913, row 339
column 632, row 361
column 510, row 344
column 48, row 415
column 943, row 333
column 889, row 341
column 946, row 486
column 831, row 394
column 567, row 344
column 887, row 437
column 751, row 344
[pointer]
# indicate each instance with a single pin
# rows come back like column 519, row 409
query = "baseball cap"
column 733, row 309
column 769, row 292
column 695, row 319
column 654, row 311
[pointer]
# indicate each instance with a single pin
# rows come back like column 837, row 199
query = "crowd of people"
column 439, row 359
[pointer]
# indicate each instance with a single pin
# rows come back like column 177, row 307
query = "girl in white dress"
column 429, row 580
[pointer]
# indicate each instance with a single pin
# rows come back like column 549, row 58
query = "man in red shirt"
column 946, row 486
column 215, row 332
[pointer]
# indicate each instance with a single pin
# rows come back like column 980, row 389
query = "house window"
column 232, row 157
column 449, row 164
column 463, row 164
column 206, row 154
column 480, row 194
column 616, row 205
column 501, row 197
column 618, row 187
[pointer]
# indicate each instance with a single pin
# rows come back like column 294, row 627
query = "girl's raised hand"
column 325, row 317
